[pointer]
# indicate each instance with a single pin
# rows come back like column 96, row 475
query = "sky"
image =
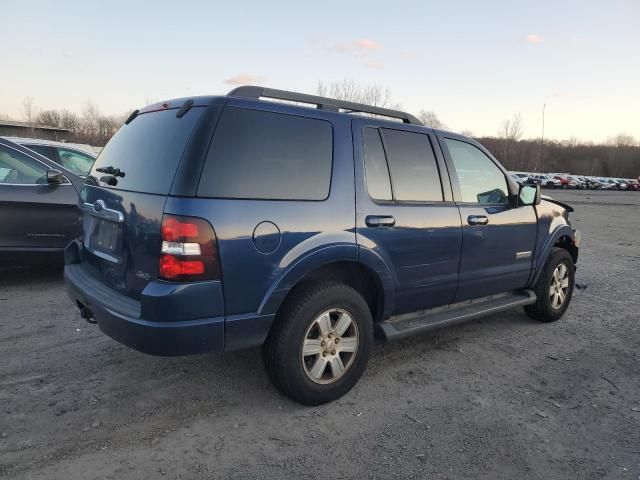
column 473, row 63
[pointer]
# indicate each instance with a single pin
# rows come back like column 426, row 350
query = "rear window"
column 148, row 150
column 412, row 164
column 265, row 155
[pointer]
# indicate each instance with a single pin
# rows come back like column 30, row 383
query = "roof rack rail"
column 322, row 103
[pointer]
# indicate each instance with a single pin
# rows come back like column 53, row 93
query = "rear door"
column 498, row 239
column 405, row 211
column 122, row 210
column 34, row 214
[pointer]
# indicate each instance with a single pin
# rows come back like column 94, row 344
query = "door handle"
column 380, row 221
column 477, row 220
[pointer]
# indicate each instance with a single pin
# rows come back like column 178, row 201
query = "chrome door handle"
column 477, row 220
column 380, row 221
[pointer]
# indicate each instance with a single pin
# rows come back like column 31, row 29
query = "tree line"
column 618, row 157
column 90, row 126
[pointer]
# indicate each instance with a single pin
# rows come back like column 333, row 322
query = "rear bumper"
column 121, row 319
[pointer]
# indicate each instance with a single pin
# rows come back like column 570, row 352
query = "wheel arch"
column 562, row 237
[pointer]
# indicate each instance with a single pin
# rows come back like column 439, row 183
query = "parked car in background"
column 622, row 183
column 565, row 181
column 38, row 201
column 577, row 182
column 633, row 184
column 546, row 181
column 592, row 183
column 74, row 157
column 230, row 222
column 527, row 178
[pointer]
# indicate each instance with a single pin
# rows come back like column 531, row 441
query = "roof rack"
column 322, row 103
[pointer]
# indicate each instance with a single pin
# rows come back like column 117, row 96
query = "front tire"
column 319, row 345
column 554, row 288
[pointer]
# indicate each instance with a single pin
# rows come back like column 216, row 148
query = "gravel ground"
column 502, row 397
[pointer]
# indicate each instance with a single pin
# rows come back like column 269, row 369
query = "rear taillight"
column 189, row 250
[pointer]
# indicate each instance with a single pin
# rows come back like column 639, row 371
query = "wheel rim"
column 559, row 286
column 329, row 346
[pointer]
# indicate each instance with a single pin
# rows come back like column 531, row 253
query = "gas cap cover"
column 266, row 237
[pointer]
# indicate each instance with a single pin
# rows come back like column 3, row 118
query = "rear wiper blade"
column 116, row 172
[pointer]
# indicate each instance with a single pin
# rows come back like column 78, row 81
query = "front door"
column 405, row 212
column 497, row 239
column 34, row 214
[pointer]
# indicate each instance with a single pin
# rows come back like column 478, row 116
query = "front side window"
column 265, row 155
column 18, row 168
column 78, row 163
column 412, row 166
column 481, row 181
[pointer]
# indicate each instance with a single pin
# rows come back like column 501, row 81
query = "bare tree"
column 351, row 91
column 28, row 110
column 430, row 119
column 90, row 119
column 69, row 120
column 49, row 117
column 622, row 140
column 510, row 132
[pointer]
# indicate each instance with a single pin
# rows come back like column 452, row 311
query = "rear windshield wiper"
column 116, row 172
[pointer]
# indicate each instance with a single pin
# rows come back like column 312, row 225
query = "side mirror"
column 529, row 195
column 55, row 177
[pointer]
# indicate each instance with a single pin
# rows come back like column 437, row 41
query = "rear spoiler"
column 566, row 206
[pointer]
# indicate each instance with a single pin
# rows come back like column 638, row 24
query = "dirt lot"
column 504, row 397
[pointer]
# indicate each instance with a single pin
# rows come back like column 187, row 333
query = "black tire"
column 282, row 351
column 543, row 309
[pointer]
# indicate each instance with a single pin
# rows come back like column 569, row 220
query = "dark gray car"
column 38, row 201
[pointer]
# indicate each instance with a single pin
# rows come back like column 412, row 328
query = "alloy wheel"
column 559, row 286
column 329, row 346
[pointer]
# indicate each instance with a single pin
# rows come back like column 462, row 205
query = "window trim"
column 453, row 174
column 48, row 167
column 267, row 110
column 393, row 200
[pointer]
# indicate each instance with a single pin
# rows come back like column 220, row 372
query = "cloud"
column 244, row 79
column 533, row 38
column 361, row 47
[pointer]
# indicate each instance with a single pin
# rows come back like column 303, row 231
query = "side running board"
column 406, row 325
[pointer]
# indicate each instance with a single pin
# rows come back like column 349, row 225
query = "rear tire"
column 554, row 288
column 319, row 345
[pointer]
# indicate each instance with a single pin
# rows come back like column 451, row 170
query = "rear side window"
column 79, row 163
column 148, row 150
column 44, row 151
column 265, row 155
column 412, row 165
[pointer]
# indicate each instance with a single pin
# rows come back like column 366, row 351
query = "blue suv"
column 227, row 222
